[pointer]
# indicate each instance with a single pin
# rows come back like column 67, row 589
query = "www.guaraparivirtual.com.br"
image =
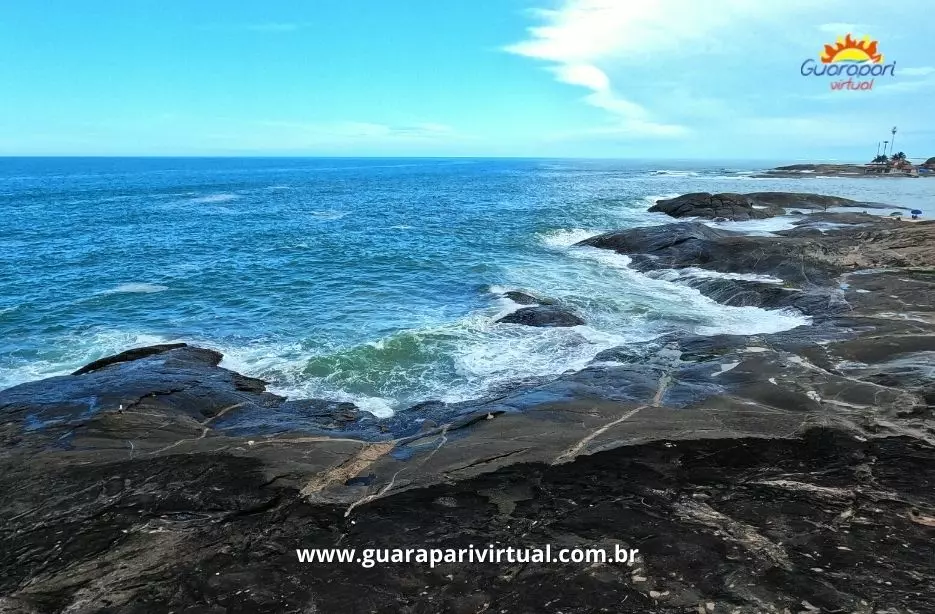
column 370, row 557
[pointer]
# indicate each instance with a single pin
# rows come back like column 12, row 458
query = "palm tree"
column 898, row 160
column 881, row 159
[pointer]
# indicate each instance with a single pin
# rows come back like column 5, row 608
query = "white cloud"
column 631, row 117
column 582, row 39
column 583, row 31
column 584, row 75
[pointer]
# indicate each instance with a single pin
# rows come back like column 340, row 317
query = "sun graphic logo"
column 848, row 49
column 850, row 57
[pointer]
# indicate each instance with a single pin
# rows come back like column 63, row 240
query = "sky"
column 656, row 79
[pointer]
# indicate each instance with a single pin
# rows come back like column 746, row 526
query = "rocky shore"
column 789, row 472
column 837, row 170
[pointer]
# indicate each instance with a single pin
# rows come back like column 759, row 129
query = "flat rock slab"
column 743, row 207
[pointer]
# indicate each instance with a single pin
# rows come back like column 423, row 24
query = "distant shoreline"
column 840, row 170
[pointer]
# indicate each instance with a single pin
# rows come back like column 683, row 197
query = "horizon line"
column 406, row 157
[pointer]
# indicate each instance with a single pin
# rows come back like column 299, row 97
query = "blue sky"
column 597, row 78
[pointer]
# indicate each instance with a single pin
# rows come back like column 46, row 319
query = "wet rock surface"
column 806, row 263
column 524, row 298
column 542, row 315
column 787, row 472
column 743, row 207
column 735, row 207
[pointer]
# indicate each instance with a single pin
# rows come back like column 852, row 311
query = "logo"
column 849, row 50
column 849, row 57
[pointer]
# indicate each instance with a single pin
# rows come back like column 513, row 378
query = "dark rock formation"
column 801, row 200
column 137, row 353
column 743, row 207
column 804, row 171
column 805, row 261
column 841, row 218
column 735, row 207
column 524, row 298
column 542, row 315
column 694, row 244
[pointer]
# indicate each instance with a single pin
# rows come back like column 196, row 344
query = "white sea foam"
column 378, row 406
column 566, row 238
column 283, row 365
column 137, row 288
column 675, row 173
column 758, row 227
column 215, row 198
column 501, row 353
column 676, row 274
column 401, row 227
column 652, row 199
column 70, row 352
column 745, row 177
column 672, row 302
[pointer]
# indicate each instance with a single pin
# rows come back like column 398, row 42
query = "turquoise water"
column 372, row 280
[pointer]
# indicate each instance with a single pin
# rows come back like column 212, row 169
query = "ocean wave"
column 222, row 197
column 743, row 177
column 566, row 238
column 675, row 173
column 652, row 199
column 68, row 353
column 667, row 302
column 452, row 362
column 137, row 288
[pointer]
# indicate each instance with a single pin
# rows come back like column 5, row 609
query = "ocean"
column 375, row 281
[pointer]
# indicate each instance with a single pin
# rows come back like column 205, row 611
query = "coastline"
column 183, row 455
column 865, row 171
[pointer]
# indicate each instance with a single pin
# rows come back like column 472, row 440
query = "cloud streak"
column 584, row 40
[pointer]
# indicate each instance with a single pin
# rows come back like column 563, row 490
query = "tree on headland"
column 881, row 159
column 899, row 160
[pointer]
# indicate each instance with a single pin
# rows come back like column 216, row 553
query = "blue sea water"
column 371, row 280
